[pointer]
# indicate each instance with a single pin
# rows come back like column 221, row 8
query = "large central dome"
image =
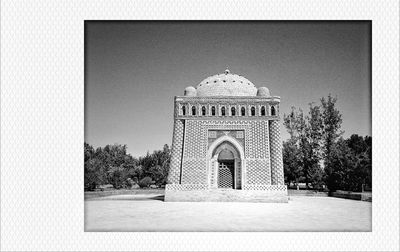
column 226, row 84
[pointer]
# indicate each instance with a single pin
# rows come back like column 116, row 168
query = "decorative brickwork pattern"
column 213, row 175
column 194, row 172
column 194, row 140
column 276, row 153
column 258, row 140
column 258, row 172
column 259, row 169
column 224, row 125
column 220, row 133
column 238, row 167
column 266, row 187
column 176, row 152
column 194, row 165
column 185, row 187
column 212, row 134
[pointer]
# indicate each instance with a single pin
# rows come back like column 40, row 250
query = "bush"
column 145, row 182
column 129, row 182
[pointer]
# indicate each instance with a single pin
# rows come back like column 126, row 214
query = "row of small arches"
column 233, row 111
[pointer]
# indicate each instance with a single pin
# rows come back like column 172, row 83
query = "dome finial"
column 227, row 71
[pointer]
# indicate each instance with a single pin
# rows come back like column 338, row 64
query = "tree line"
column 315, row 154
column 113, row 165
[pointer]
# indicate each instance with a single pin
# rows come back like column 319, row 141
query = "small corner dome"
column 190, row 91
column 263, row 91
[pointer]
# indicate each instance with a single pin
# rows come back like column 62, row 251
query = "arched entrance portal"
column 225, row 164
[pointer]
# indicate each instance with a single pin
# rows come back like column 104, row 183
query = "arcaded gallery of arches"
column 226, row 143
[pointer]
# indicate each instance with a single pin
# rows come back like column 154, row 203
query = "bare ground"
column 149, row 212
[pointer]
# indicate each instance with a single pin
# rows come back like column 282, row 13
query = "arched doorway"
column 225, row 162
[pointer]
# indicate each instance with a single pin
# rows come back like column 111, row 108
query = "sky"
column 134, row 69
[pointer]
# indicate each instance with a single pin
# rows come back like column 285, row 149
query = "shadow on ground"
column 159, row 197
column 129, row 197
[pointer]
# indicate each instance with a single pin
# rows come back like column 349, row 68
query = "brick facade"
column 205, row 125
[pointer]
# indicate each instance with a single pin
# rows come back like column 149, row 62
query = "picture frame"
column 42, row 125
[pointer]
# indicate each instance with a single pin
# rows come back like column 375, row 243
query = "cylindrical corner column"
column 174, row 172
column 277, row 177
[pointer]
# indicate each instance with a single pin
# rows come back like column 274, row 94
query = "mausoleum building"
column 226, row 143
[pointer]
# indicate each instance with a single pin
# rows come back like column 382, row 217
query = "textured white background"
column 42, row 119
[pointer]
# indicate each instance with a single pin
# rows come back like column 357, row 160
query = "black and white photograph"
column 164, row 125
column 228, row 126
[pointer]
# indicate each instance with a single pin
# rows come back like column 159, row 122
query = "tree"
column 342, row 163
column 361, row 149
column 291, row 165
column 94, row 169
column 293, row 155
column 156, row 165
column 304, row 145
column 332, row 120
column 317, row 151
column 113, row 165
column 314, row 133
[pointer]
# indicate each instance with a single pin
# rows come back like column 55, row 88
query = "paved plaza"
column 151, row 213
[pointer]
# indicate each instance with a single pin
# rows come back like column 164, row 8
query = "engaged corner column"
column 174, row 172
column 276, row 153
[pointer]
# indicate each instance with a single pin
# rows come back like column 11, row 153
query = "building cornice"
column 227, row 99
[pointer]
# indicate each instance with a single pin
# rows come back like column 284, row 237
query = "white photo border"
column 42, row 124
